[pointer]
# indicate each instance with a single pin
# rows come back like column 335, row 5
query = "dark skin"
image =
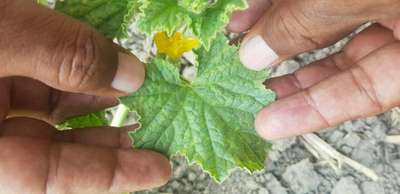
column 53, row 68
column 40, row 159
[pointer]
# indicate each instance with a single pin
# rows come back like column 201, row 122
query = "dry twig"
column 394, row 139
column 322, row 150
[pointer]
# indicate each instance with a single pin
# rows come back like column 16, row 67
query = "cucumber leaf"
column 97, row 119
column 111, row 17
column 209, row 120
column 201, row 17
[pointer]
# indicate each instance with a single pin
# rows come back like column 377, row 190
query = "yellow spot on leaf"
column 176, row 45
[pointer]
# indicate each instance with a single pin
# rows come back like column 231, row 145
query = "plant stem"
column 395, row 139
column 119, row 119
column 120, row 116
column 323, row 150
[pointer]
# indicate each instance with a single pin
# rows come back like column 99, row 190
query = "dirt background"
column 290, row 167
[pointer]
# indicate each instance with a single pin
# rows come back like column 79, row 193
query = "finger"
column 361, row 46
column 307, row 76
column 243, row 20
column 105, row 137
column 4, row 99
column 30, row 98
column 75, row 168
column 289, row 28
column 109, row 137
column 393, row 24
column 27, row 128
column 110, row 171
column 369, row 88
column 63, row 53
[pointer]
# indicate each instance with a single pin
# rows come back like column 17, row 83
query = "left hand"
column 37, row 159
column 53, row 67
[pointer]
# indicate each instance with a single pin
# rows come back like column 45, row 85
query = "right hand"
column 362, row 80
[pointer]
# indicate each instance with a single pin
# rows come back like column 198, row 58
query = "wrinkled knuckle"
column 54, row 99
column 297, row 27
column 311, row 101
column 79, row 59
column 365, row 85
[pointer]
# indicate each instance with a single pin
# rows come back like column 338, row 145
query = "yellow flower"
column 174, row 46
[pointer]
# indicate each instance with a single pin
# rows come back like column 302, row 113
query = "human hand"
column 360, row 81
column 78, row 72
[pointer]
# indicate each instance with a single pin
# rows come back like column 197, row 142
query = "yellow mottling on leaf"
column 176, row 45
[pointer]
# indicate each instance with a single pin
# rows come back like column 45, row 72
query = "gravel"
column 372, row 188
column 301, row 177
column 346, row 185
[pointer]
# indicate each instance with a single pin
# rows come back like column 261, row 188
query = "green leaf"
column 43, row 2
column 91, row 120
column 213, row 20
column 195, row 6
column 200, row 17
column 111, row 17
column 209, row 120
column 163, row 16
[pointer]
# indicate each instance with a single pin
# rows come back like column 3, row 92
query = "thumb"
column 39, row 43
column 289, row 28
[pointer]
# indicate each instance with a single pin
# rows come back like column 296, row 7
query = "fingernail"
column 268, row 128
column 130, row 74
column 256, row 54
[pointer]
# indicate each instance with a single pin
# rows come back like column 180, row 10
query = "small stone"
column 175, row 184
column 273, row 155
column 251, row 184
column 302, row 177
column 346, row 185
column 347, row 125
column 202, row 176
column 351, row 140
column 192, row 176
column 396, row 164
column 335, row 136
column 379, row 130
column 262, row 191
column 379, row 168
column 372, row 120
column 179, row 171
column 372, row 188
column 346, row 149
column 365, row 153
column 283, row 144
column 274, row 186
